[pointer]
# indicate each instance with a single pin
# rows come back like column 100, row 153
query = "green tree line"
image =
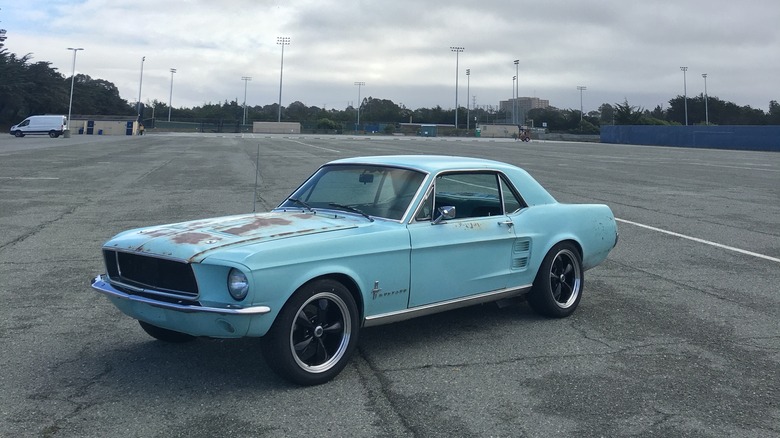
column 28, row 88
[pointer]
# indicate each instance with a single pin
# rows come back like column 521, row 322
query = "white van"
column 54, row 126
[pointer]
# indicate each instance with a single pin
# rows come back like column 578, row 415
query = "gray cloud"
column 618, row 49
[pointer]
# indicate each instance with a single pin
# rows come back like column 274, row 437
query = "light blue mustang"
column 364, row 241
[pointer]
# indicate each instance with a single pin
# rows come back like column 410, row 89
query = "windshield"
column 378, row 191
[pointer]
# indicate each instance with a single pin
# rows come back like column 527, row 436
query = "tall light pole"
column 246, row 80
column 517, row 93
column 457, row 51
column 514, row 102
column 282, row 41
column 72, row 78
column 170, row 96
column 706, row 111
column 140, row 85
column 360, row 102
column 685, row 93
column 581, row 88
column 468, row 93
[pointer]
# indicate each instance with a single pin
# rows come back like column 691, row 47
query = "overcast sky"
column 618, row 49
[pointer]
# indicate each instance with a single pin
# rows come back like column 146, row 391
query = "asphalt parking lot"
column 677, row 333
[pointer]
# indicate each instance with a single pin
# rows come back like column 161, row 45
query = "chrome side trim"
column 100, row 284
column 429, row 309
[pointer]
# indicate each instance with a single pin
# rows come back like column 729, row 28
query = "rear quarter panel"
column 591, row 226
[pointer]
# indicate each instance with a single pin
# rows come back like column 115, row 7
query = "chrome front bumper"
column 101, row 284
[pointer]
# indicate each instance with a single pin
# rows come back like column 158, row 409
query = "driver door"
column 468, row 254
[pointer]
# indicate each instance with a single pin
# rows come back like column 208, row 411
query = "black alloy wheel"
column 314, row 335
column 559, row 283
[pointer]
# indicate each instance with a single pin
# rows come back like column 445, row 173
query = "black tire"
column 53, row 134
column 18, row 134
column 165, row 335
column 558, row 286
column 314, row 335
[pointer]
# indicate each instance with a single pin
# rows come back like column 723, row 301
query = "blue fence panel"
column 756, row 138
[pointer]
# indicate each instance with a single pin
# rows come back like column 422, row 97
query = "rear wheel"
column 166, row 335
column 314, row 335
column 559, row 283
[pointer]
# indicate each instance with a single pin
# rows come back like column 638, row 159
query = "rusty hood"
column 193, row 241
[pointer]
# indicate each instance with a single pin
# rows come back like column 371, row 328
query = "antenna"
column 257, row 170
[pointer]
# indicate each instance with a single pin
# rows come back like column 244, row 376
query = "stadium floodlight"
column 72, row 78
column 282, row 41
column 457, row 51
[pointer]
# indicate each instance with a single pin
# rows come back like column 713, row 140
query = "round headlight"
column 238, row 284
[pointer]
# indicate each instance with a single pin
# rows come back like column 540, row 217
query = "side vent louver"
column 520, row 254
column 522, row 245
column 520, row 263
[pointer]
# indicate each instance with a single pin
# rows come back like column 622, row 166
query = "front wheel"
column 314, row 335
column 18, row 134
column 165, row 335
column 559, row 283
column 53, row 134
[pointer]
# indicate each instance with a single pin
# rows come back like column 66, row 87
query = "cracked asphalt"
column 673, row 337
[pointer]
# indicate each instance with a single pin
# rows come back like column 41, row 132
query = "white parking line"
column 752, row 168
column 706, row 242
column 312, row 146
column 27, row 177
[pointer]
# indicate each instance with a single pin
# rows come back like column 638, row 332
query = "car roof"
column 427, row 163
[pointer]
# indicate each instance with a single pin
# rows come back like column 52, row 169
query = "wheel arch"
column 576, row 244
column 562, row 239
column 347, row 282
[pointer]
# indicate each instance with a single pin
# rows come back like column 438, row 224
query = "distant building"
column 522, row 105
column 103, row 125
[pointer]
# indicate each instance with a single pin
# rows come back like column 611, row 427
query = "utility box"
column 276, row 127
column 428, row 130
column 498, row 131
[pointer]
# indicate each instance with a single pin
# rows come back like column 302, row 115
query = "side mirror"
column 446, row 212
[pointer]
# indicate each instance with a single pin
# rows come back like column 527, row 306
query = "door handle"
column 509, row 224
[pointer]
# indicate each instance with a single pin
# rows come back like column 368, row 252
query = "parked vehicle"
column 53, row 126
column 362, row 242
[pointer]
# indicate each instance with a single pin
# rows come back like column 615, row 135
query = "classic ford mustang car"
column 364, row 241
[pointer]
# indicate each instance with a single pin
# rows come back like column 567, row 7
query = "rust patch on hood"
column 193, row 241
column 260, row 222
column 193, row 238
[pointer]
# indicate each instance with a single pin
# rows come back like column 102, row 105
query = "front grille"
column 154, row 275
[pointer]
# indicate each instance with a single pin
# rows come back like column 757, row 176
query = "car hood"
column 193, row 241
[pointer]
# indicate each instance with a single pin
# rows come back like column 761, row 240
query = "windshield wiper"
column 302, row 203
column 352, row 209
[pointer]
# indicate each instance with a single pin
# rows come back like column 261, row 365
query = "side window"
column 474, row 194
column 425, row 211
column 512, row 202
